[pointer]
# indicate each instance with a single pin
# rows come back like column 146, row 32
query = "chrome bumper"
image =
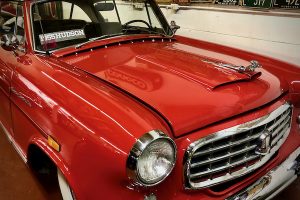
column 273, row 182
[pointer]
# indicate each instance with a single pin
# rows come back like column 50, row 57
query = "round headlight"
column 152, row 158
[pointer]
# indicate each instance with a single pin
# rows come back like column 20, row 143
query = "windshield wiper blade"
column 78, row 46
column 136, row 28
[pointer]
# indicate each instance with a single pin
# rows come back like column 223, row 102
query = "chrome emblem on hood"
column 250, row 68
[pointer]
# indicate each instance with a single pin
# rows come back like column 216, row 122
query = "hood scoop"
column 209, row 72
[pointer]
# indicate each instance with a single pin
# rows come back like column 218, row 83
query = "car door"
column 7, row 15
column 15, row 59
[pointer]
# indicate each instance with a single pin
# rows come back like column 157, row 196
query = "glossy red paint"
column 6, row 71
column 96, row 104
column 156, row 71
column 294, row 93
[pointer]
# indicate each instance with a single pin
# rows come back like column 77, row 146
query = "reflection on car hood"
column 178, row 81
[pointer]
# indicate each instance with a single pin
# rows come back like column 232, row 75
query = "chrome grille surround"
column 230, row 153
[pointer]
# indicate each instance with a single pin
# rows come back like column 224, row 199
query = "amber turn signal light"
column 52, row 143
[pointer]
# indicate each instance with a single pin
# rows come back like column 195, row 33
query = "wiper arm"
column 78, row 46
column 136, row 28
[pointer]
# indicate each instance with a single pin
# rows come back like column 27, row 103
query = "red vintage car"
column 105, row 94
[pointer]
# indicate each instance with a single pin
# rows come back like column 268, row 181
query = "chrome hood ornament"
column 250, row 68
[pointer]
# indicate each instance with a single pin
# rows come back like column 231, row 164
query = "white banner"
column 62, row 36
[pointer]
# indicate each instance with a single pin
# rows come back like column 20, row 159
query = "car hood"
column 183, row 83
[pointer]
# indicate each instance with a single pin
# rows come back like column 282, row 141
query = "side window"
column 7, row 17
column 19, row 31
column 58, row 24
column 60, row 10
column 12, row 20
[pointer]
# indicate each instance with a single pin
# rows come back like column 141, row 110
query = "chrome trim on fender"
column 279, row 136
column 20, row 96
column 137, row 151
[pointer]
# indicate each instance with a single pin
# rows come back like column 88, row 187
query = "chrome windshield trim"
column 163, row 20
column 227, row 133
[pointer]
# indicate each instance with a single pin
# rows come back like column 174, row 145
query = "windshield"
column 58, row 24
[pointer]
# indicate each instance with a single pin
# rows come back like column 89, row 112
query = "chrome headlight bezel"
column 138, row 148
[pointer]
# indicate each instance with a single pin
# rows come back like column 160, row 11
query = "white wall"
column 275, row 36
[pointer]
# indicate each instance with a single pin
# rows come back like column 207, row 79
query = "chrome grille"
column 232, row 152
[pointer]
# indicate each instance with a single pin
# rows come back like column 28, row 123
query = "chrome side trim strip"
column 20, row 96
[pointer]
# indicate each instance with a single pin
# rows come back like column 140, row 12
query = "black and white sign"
column 227, row 2
column 62, row 36
column 287, row 4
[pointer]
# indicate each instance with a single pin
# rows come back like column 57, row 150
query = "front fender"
column 95, row 124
